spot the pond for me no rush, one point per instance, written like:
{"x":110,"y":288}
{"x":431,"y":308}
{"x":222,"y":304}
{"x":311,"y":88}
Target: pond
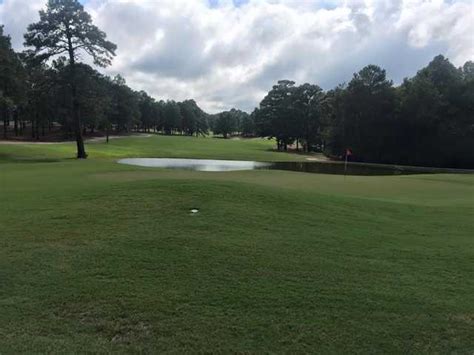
{"x":308,"y":167}
{"x":195,"y":164}
{"x":338,"y":168}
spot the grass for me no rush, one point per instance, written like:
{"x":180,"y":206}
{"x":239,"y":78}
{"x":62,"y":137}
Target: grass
{"x":101,"y":257}
{"x":154,"y":146}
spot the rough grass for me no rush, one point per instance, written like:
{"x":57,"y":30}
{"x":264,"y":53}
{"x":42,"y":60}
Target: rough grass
{"x":101,"y":257}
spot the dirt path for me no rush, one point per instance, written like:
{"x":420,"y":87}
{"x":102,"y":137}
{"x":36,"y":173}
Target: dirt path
{"x":102,"y":139}
{"x":318,"y":158}
{"x":90,"y":140}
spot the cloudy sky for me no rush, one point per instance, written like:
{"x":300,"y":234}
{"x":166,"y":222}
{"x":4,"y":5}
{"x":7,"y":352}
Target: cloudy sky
{"x":229,"y":53}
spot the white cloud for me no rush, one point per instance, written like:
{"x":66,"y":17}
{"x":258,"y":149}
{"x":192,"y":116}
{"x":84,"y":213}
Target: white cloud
{"x":16,"y":15}
{"x":226,"y":55}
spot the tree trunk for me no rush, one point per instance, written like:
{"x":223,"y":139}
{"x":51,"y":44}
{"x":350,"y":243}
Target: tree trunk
{"x":33,"y":126}
{"x":15,"y":122}
{"x":5,"y":122}
{"x":81,"y":151}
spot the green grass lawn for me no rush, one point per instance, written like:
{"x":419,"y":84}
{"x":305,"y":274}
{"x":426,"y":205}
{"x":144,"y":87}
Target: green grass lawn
{"x":155,"y":146}
{"x":101,"y":257}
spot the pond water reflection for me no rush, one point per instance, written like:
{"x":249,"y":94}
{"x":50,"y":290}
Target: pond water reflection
{"x":308,"y":167}
{"x":338,"y":168}
{"x":195,"y":164}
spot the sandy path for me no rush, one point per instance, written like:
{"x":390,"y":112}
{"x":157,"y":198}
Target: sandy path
{"x":90,"y":140}
{"x":318,"y":158}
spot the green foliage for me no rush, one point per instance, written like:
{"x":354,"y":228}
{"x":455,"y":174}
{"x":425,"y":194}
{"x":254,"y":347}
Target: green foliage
{"x":291,"y":113}
{"x":369,"y":107}
{"x":225,"y":123}
{"x":125,"y":110}
{"x":172,"y":117}
{"x":148,"y":111}
{"x":48,"y":100}
{"x":66,"y":28}
{"x":274,"y":118}
{"x":306,"y":106}
{"x":194,"y":120}
{"x":436,"y":116}
{"x":12,"y":80}
{"x":428,"y":120}
{"x":247,"y":124}
{"x":95,"y":101}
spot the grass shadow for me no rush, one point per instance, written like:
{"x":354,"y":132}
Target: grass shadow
{"x":10,"y":158}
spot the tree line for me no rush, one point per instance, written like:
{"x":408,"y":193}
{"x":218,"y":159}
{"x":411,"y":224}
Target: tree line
{"x":232,"y":122}
{"x":427,"y":120}
{"x":41,"y":89}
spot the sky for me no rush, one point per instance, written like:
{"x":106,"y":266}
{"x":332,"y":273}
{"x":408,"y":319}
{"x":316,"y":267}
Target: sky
{"x":229,"y":53}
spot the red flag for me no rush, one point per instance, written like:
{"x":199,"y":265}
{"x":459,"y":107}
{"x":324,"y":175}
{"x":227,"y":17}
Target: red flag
{"x":348,"y":152}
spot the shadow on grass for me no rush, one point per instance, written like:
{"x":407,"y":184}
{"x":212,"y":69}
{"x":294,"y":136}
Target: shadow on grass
{"x":10,"y":158}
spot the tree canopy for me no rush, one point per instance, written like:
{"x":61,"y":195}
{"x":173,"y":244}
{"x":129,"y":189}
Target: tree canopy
{"x":427,"y":120}
{"x":66,"y":28}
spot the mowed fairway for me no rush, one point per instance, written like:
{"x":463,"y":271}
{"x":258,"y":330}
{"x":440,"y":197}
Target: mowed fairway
{"x":97,"y":256}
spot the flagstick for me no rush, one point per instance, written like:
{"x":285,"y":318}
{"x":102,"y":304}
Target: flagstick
{"x":345,"y":168}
